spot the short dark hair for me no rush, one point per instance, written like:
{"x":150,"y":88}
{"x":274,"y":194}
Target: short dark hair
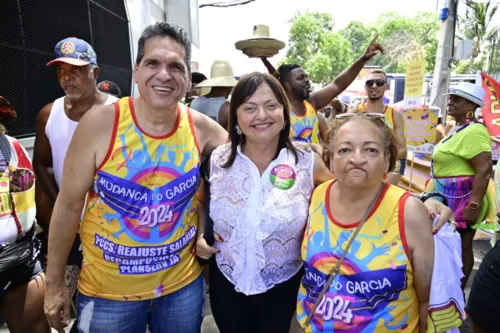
{"x":283,"y":72}
{"x":197,"y":77}
{"x":379,"y":71}
{"x":165,"y":29}
{"x":243,"y":90}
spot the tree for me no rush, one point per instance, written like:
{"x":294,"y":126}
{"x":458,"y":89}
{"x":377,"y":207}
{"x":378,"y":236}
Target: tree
{"x":358,"y":35}
{"x":314,"y":46}
{"x":478,"y":26}
{"x":324,"y":54}
{"x":407,"y":38}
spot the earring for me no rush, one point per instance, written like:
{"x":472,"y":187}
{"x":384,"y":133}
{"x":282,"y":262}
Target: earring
{"x":469,"y":115}
{"x":238,"y":129}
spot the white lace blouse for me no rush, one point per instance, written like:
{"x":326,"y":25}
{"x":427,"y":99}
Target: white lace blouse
{"x":260,"y":218}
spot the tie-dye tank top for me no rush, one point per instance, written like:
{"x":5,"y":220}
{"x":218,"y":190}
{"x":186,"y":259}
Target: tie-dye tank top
{"x":388,"y":113}
{"x":140,"y":221}
{"x":374,"y":291}
{"x":305,"y":128}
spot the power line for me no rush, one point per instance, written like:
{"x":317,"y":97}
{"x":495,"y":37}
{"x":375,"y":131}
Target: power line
{"x":227,"y":4}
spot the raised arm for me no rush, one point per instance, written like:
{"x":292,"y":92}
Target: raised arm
{"x":324,"y":96}
{"x":269,"y":66}
{"x":421,"y":247}
{"x":46,"y":187}
{"x":93,"y":131}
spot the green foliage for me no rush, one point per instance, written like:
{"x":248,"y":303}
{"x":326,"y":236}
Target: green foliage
{"x":324,"y":54}
{"x":478,"y":25}
{"x":314,"y":46}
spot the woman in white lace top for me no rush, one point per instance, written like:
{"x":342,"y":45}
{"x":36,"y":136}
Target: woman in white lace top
{"x":260,"y":186}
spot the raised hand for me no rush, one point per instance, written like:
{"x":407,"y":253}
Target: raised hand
{"x":372,"y":49}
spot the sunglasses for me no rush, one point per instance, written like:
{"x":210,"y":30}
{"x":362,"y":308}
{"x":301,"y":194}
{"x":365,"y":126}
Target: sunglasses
{"x":378,"y":82}
{"x":361,"y":114}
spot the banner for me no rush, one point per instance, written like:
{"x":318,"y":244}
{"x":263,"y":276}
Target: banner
{"x":414,"y":81}
{"x":491,"y":109}
{"x":420,"y":130}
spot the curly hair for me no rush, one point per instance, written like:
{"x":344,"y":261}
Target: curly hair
{"x":389,"y":141}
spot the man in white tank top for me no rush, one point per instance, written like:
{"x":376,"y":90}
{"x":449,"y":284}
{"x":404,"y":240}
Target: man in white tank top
{"x":77,"y":72}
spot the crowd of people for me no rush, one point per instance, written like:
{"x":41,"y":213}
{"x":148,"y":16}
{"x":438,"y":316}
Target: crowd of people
{"x":298,"y":214}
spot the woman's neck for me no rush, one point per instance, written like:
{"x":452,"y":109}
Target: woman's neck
{"x":351,"y":203}
{"x":260,"y":154}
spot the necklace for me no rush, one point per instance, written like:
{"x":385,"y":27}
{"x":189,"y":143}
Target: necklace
{"x":435,"y":179}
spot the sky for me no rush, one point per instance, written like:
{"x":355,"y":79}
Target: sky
{"x":220,"y":28}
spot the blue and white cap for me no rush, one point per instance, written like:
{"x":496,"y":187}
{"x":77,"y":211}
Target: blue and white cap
{"x":74,"y":51}
{"x":469,"y":91}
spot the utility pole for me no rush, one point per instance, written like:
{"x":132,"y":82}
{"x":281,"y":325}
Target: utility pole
{"x":441,"y":78}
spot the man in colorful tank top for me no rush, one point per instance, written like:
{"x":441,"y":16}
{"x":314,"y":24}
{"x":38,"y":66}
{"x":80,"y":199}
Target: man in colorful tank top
{"x":139,"y":162}
{"x":308,"y":125}
{"x":375,"y":86}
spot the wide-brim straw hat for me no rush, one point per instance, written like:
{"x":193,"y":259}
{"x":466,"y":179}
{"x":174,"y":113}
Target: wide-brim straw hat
{"x":260,"y":44}
{"x":221,"y":75}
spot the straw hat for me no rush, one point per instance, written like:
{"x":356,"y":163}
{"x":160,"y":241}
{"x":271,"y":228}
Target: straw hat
{"x":221,"y":75}
{"x":261,"y":44}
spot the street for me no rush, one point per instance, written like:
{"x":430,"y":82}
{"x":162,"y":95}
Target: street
{"x":480,"y":249}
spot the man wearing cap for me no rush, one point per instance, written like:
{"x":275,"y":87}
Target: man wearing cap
{"x":307,"y":124}
{"x":139,"y":162}
{"x":110,"y":88}
{"x":215,"y":104}
{"x":375,"y":87}
{"x":77,"y":72}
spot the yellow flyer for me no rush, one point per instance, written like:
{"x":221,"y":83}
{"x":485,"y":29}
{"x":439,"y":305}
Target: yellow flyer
{"x":420,"y":130}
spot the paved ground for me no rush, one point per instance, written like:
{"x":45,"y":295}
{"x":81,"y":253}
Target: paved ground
{"x":480,"y":249}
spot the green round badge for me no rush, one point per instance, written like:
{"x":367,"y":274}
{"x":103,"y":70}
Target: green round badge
{"x":282,"y":176}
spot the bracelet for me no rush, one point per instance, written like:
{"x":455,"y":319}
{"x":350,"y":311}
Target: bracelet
{"x":424,"y":196}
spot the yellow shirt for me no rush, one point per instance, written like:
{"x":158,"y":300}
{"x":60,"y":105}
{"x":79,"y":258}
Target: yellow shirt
{"x":140,"y":222}
{"x":388,"y":113}
{"x":374,"y":291}
{"x":305,"y":128}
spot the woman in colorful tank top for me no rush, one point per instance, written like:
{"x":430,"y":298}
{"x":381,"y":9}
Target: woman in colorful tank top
{"x":383,"y":283}
{"x":260,"y":186}
{"x":461,"y":168}
{"x":22,"y":281}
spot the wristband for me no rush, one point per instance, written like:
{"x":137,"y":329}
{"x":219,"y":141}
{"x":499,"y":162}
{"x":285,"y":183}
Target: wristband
{"x":424,"y":196}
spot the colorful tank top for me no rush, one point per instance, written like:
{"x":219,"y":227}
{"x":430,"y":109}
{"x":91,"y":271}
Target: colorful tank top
{"x":388,"y":112}
{"x":140,"y":221}
{"x":374,"y":291}
{"x":305,"y":128}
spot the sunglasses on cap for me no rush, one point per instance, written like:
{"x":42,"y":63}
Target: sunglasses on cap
{"x":378,"y":82}
{"x":361,"y":114}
